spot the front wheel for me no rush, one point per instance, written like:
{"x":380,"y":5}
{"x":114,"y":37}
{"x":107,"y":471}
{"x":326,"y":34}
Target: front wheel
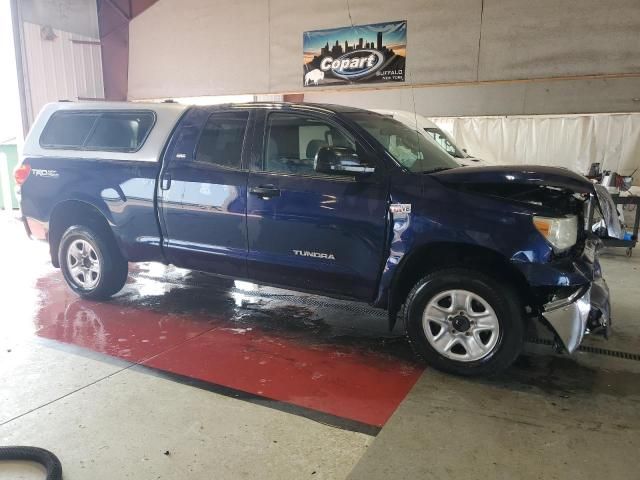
{"x":91,"y":263}
{"x":464,"y":322}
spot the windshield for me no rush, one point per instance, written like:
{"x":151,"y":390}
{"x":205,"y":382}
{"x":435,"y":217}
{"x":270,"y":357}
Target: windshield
{"x":445,"y":142}
{"x":411,"y":149}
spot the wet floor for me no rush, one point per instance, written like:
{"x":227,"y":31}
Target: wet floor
{"x":324,"y":355}
{"x":321,"y":354}
{"x":89,"y":372}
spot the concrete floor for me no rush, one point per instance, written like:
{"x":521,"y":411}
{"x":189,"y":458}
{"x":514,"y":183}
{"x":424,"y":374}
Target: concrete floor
{"x":553,"y":419}
{"x":154,"y":385}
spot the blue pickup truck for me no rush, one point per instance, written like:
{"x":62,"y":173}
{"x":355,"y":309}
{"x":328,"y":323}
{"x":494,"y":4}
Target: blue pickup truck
{"x":325,"y":199}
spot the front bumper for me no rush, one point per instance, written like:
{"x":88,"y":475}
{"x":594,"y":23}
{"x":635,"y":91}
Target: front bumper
{"x":585,"y":311}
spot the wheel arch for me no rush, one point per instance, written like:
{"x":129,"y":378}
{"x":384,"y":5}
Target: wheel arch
{"x":75,"y":212}
{"x":431,"y":257}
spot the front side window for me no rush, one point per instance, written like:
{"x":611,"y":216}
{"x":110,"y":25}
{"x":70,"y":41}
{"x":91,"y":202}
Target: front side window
{"x":293,"y":141}
{"x":108,"y":131}
{"x":222,"y":139}
{"x":409,"y":147}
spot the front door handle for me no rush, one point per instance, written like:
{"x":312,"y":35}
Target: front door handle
{"x":265,"y":191}
{"x":165,"y":184}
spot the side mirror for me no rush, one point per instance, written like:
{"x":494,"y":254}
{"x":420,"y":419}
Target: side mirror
{"x":465,"y":150}
{"x":340,"y":161}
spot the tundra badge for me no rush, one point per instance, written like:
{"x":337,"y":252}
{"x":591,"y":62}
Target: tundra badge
{"x":305,"y":253}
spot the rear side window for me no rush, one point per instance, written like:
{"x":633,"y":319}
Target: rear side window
{"x":108,"y":131}
{"x":67,"y":130}
{"x":222,"y":138}
{"x":124,"y":132}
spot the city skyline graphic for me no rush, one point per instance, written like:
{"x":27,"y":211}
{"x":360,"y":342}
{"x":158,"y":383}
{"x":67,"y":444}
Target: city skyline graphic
{"x":393,"y":32}
{"x":387,"y":38}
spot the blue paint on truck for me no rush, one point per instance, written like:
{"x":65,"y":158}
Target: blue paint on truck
{"x":324,"y":199}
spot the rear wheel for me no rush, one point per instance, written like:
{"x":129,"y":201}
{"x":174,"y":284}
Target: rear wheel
{"x":91,"y":263}
{"x":464,"y":322}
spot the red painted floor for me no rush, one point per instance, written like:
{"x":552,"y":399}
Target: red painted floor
{"x":342,"y":382}
{"x":196,"y":333}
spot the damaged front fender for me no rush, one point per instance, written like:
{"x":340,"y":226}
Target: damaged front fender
{"x":609,"y":212}
{"x":508,"y":181}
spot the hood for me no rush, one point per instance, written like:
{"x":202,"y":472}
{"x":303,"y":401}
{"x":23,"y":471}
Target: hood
{"x":472,"y":162}
{"x":507,"y":181}
{"x":517,"y":175}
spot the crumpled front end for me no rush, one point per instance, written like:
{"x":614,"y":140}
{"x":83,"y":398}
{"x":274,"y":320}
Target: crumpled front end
{"x":565,"y":281}
{"x":608,"y":210}
{"x":587,"y":310}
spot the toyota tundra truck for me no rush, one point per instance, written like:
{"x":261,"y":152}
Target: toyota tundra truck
{"x":326,"y":199}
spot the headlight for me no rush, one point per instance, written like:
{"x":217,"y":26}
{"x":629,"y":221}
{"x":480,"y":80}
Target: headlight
{"x":561,"y":233}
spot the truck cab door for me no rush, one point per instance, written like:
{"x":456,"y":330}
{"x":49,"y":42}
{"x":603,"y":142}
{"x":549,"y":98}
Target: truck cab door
{"x":202,"y":193}
{"x":311,"y":231}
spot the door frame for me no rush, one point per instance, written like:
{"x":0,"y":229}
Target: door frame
{"x":381,"y":176}
{"x":168,"y":156}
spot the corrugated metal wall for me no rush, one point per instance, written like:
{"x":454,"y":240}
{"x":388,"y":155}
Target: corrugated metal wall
{"x":61,"y":66}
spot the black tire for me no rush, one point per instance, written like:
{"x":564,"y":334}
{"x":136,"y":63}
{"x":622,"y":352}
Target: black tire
{"x":502,"y":298}
{"x":113,"y":266}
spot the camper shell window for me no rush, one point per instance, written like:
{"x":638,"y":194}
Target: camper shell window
{"x":114,"y":131}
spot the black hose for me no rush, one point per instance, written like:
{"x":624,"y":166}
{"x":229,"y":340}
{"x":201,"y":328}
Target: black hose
{"x":34,"y":454}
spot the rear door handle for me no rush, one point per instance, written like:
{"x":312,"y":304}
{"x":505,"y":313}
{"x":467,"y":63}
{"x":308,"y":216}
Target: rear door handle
{"x":265,"y":191}
{"x":165,"y":184}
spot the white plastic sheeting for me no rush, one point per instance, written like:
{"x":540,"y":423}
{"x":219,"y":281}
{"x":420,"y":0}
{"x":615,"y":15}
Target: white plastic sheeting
{"x":571,"y":141}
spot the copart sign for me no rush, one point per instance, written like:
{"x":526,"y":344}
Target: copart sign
{"x":357,"y":54}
